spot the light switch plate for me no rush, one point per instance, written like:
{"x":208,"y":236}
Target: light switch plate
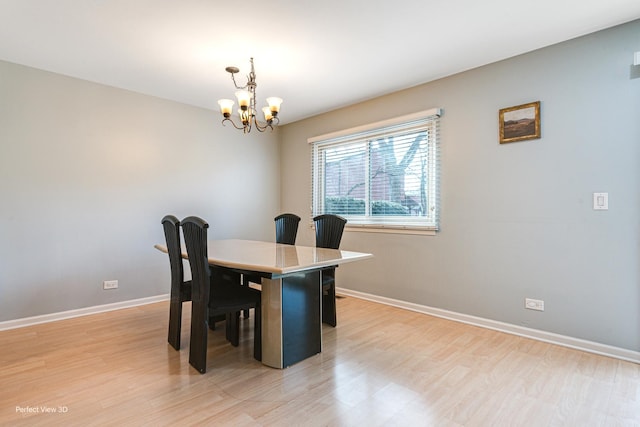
{"x":601,"y":201}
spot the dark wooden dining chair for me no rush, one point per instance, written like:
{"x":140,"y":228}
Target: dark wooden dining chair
{"x":212,"y":294}
{"x":286,"y":228}
{"x":180,"y":289}
{"x":329,"y":230}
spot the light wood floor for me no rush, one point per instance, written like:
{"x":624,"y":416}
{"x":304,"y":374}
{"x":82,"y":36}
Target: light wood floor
{"x":381,"y":366}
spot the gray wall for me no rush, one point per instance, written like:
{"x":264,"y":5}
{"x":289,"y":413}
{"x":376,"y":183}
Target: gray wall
{"x":516,"y":219}
{"x":88,"y":171}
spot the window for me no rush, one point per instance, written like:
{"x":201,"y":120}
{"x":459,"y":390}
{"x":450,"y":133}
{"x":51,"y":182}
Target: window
{"x":380,"y":176}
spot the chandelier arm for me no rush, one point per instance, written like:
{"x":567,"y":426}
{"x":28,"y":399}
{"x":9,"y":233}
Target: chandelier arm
{"x":232,"y":122}
{"x":264,"y":127}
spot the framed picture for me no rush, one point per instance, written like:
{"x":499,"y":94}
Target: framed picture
{"x":520,"y":123}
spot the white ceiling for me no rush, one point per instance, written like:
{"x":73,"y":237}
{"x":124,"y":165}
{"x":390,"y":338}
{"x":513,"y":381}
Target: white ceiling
{"x":318,"y":55}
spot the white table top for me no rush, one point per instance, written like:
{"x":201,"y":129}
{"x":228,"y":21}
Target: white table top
{"x":271,"y":257}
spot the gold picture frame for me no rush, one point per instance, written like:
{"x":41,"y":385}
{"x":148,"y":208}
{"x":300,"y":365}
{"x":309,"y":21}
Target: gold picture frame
{"x":520,"y":123}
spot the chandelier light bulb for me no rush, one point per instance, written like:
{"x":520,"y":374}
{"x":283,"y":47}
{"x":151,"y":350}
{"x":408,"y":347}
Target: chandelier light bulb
{"x":244,"y":116}
{"x":243,"y":98}
{"x":267,"y":113}
{"x":274,"y":104}
{"x":226,"y":107}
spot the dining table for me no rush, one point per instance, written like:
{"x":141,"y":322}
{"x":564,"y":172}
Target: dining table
{"x":291,"y":284}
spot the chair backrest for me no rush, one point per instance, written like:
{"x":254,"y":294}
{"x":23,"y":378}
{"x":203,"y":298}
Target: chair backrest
{"x":329,"y":230}
{"x":195,"y":239}
{"x":286,"y":228}
{"x":171,"y":227}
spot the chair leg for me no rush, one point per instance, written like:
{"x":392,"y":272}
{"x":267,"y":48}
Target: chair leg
{"x":214,"y":319}
{"x":329,"y":306}
{"x":233,"y":328}
{"x":245,"y":282}
{"x":198,"y":341}
{"x":175,"y":322}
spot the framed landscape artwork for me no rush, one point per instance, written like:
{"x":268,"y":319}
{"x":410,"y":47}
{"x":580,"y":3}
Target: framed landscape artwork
{"x":520,"y":123}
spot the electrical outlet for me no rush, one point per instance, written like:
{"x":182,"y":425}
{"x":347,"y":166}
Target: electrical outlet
{"x":534,"y":304}
{"x":110,"y":284}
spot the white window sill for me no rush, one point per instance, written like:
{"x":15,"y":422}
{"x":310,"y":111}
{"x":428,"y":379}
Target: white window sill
{"x":390,"y":229}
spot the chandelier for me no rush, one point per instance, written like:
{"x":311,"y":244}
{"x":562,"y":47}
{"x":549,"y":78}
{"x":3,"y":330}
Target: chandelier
{"x":247,"y":101}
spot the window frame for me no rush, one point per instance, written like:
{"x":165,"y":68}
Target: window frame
{"x":428,"y":119}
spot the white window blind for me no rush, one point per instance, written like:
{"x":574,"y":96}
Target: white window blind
{"x":382,"y":175}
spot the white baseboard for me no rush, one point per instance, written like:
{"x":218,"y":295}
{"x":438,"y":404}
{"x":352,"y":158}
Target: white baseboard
{"x":549,"y":337}
{"x":28,"y":321}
